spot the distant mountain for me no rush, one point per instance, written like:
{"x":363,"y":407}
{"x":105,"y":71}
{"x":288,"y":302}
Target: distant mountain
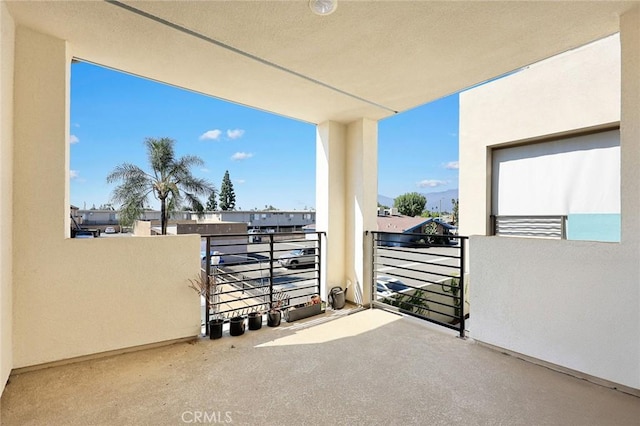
{"x":385,"y":201}
{"x":433,"y":200}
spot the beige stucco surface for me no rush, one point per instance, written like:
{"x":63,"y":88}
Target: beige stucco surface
{"x":369,"y":59}
{"x":362,"y":202}
{"x":6,"y":191}
{"x":576,"y":90}
{"x":630,"y":132}
{"x":73,"y":297}
{"x":331,"y":140}
{"x":346,"y":180}
{"x":571,"y":303}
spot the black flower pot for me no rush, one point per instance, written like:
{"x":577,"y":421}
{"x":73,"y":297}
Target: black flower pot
{"x":255,"y":321}
{"x":274,"y":318}
{"x":215,"y":328}
{"x":236,"y":328}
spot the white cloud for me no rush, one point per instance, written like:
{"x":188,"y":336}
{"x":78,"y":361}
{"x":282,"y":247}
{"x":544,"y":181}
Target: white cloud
{"x":204,"y":170}
{"x":239,"y":181}
{"x":73,"y":174}
{"x":453,"y":165}
{"x":241,"y":156}
{"x":213,"y":135}
{"x":235,"y":133}
{"x":431,"y":183}
{"x":73,"y":139}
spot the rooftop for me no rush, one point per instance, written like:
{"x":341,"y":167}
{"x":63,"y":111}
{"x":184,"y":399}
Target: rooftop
{"x":371,"y":367}
{"x":399,"y":223}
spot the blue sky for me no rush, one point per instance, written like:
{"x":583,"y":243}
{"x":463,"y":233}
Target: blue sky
{"x":271,"y":159}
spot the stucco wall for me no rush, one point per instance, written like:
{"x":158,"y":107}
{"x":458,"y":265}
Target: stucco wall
{"x":6,"y":191}
{"x":542,"y":299}
{"x":75,"y":297}
{"x":576,"y":90}
{"x":571,"y":303}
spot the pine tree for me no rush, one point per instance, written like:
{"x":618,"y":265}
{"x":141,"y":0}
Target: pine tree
{"x":454,"y":214}
{"x":212,"y":202}
{"x":227,"y":196}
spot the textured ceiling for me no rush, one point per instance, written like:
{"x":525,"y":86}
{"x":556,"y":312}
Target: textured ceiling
{"x":368,"y":59}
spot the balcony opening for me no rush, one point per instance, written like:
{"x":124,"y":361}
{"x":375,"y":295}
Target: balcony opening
{"x":112,"y":113}
{"x":418,"y":153}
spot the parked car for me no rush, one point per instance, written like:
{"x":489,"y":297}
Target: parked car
{"x":298,"y":257}
{"x":396,"y":293}
{"x":388,"y":286}
{"x":216,"y":258}
{"x":109,"y":230}
{"x":84,"y":234}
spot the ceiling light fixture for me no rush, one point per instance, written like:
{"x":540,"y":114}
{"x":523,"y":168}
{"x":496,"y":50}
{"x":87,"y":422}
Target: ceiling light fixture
{"x":323,"y":7}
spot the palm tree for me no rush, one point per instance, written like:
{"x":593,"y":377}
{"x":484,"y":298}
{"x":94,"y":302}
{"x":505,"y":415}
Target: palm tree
{"x":171,"y":182}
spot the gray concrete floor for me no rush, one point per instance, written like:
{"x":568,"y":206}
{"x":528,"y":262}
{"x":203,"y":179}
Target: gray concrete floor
{"x":372,"y":367}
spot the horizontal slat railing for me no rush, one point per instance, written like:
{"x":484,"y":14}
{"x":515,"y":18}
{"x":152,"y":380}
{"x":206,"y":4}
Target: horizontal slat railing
{"x":421,"y":275}
{"x":245,"y":276}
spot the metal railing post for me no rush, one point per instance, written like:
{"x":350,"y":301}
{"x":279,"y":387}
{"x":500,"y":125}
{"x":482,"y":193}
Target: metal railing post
{"x":270,"y":271}
{"x":207,"y":269}
{"x":319,"y":280}
{"x":463,"y":247}
{"x":372,"y":286}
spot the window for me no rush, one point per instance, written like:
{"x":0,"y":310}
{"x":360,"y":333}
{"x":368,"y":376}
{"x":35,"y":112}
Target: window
{"x":576,"y":179}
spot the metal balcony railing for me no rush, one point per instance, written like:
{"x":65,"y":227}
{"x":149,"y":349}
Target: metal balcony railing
{"x":422,"y":275}
{"x":259,"y":271}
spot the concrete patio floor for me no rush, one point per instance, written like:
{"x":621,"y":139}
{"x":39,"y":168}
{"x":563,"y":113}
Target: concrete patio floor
{"x":372,"y":367}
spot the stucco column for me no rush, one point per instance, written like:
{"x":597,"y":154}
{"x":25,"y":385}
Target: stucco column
{"x":7,"y":31}
{"x":629,"y":160}
{"x":41,"y":179}
{"x":42,"y":150}
{"x":630,"y":126}
{"x":346,"y":203}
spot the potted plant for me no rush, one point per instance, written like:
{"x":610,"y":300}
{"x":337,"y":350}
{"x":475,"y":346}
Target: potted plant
{"x":215,"y":328}
{"x":237,"y":325}
{"x":208,"y":290}
{"x":274,"y":316}
{"x":255,"y":319}
{"x":308,"y":309}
